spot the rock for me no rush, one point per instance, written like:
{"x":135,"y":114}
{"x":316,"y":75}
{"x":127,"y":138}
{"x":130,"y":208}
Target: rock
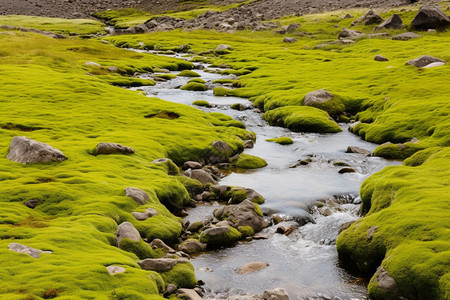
{"x":385,"y":282}
{"x":276,"y":294}
{"x":19,"y":248}
{"x":370,"y":232}
{"x":200,"y":175}
{"x":192,"y":165}
{"x":113,"y":69}
{"x":194,"y":227}
{"x":159,"y":265}
{"x":345,"y":226}
{"x":159,"y":244}
{"x":137,"y":195}
{"x":184,"y":48}
{"x":285,"y":230}
{"x":346,"y":170}
{"x":221,"y":146}
{"x":350,"y":34}
{"x":249,"y":144}
{"x":112,"y":148}
{"x":394,"y":22}
{"x":430,"y":17}
{"x":240,"y":194}
{"x":171,"y":288}
{"x":32,"y":203}
{"x":142,"y":216}
{"x":113,"y":270}
{"x":27,"y":151}
{"x":292,"y":27}
{"x":222,"y":47}
{"x":380,"y":58}
{"x":424,"y":61}
{"x":378,"y":35}
{"x":317,"y":97}
{"x":370,"y":17}
{"x":188,"y":294}
{"x":289,"y":40}
{"x":348,"y":16}
{"x":354,"y":149}
{"x":170,"y":167}
{"x":252,"y":267}
{"x":127,"y":230}
{"x":219,"y":236}
{"x":353,"y":125}
{"x":191,"y":246}
{"x":243,"y":214}
{"x":92,"y":64}
{"x":405,"y":36}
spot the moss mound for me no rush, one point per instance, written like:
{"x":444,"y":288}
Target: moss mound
{"x":188,"y":73}
{"x":203,"y":103}
{"x":302,"y":118}
{"x":408,"y":216}
{"x":194,"y":86}
{"x":168,"y":76}
{"x":226,"y":238}
{"x":246,"y":161}
{"x":282,"y":140}
{"x":198,"y":80}
{"x":220,"y":91}
{"x":181,"y":275}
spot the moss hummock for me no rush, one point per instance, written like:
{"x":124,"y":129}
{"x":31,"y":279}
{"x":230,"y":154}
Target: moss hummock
{"x":194,"y":86}
{"x":188,"y":73}
{"x":198,"y":80}
{"x":203,"y":103}
{"x":246,"y":161}
{"x":281,"y":140}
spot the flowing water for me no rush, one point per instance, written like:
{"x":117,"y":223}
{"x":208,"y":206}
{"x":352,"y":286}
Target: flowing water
{"x":305,"y":262}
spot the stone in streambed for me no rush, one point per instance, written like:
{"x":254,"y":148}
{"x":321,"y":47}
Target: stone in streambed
{"x":27,"y":151}
{"x":200,"y":175}
{"x":346,"y":170}
{"x":192,"y":165}
{"x":354,"y":149}
{"x":219,"y":236}
{"x":188,"y":294}
{"x":246,"y":213}
{"x":252,"y":267}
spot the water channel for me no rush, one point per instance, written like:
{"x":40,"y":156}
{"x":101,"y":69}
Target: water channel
{"x":305,"y":262}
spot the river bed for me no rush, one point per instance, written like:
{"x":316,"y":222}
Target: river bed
{"x":305,"y":262}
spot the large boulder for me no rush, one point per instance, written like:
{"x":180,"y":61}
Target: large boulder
{"x":159,"y":265}
{"x":191,"y":246}
{"x":112,"y":148}
{"x":370,"y":17}
{"x":127,"y":230}
{"x":200,"y":175}
{"x":317,"y":97}
{"x":137,"y":195}
{"x":350,"y":34}
{"x":19,"y":248}
{"x":424,"y":61}
{"x":430,"y":17}
{"x":27,"y":151}
{"x":219,"y":236}
{"x":243,"y":214}
{"x":405,"y":36}
{"x":394,"y":22}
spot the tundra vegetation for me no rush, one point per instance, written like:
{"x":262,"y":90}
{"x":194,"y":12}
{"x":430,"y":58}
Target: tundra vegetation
{"x":50,"y":94}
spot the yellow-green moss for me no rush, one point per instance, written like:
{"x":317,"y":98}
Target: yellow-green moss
{"x":194,"y":86}
{"x":281,"y":140}
{"x":188,"y":73}
{"x":247,"y":161}
{"x":198,"y":80}
{"x":203,"y":103}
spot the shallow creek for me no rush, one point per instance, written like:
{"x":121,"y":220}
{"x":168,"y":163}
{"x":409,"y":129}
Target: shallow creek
{"x":305,"y":262}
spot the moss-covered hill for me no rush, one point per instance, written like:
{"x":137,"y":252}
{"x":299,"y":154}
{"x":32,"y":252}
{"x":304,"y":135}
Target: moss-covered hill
{"x":50,"y":95}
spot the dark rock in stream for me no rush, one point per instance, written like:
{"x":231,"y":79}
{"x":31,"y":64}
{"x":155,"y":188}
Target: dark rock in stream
{"x":244,"y":214}
{"x":200,"y":175}
{"x":354,"y":149}
{"x":252,"y":267}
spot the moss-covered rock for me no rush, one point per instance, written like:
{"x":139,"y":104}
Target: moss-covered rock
{"x":182,"y":275}
{"x":140,"y":248}
{"x":188,"y":73}
{"x":247,"y":161}
{"x":302,"y":118}
{"x":281,"y":140}
{"x":220,"y":91}
{"x":203,"y":103}
{"x":220,"y":236}
{"x":167,"y":76}
{"x":194,"y":86}
{"x":197,"y":80}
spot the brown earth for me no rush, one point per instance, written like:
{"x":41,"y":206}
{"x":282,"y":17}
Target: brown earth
{"x":268,"y":8}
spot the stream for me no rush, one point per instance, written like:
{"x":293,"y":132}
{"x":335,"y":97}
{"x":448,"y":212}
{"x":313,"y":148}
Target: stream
{"x":305,"y":262}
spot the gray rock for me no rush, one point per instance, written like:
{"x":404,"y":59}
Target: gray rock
{"x":27,"y":151}
{"x":317,"y":97}
{"x":249,"y":144}
{"x":350,"y":34}
{"x":252,"y":267}
{"x":184,"y":48}
{"x":430,"y":17}
{"x":127,"y":230}
{"x":370,"y":17}
{"x":92,"y":64}
{"x":142,"y":216}
{"x":171,"y":288}
{"x":380,"y":58}
{"x":159,"y":244}
{"x":113,"y":69}
{"x":222,"y":47}
{"x":289,"y":40}
{"x":192,"y":246}
{"x":346,"y":170}
{"x":354,"y":149}
{"x":276,"y":294}
{"x":424,"y":61}
{"x":242,"y":214}
{"x":113,"y":270}
{"x":345,"y":226}
{"x":112,"y":148}
{"x":292,"y":27}
{"x":19,"y":248}
{"x":194,"y":227}
{"x":200,"y":175}
{"x":192,"y":165}
{"x":370,"y":232}
{"x":385,"y":282}
{"x":189,"y":294}
{"x":137,"y":195}
{"x":32,"y":203}
{"x":405,"y":36}
{"x":159,"y":265}
{"x":221,"y":146}
{"x":394,"y":22}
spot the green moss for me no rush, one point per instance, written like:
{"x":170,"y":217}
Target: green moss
{"x":141,"y":249}
{"x":236,"y":195}
{"x":246,"y":161}
{"x":203,"y":103}
{"x":225,"y":239}
{"x":198,"y":80}
{"x":193,"y":186}
{"x":400,"y":151}
{"x":411,"y":241}
{"x":246,"y":231}
{"x":302,"y":118}
{"x":188,"y":73}
{"x":281,"y":140}
{"x":220,"y":91}
{"x":118,"y":80}
{"x":168,"y":76}
{"x":420,"y":157}
{"x":182,"y":275}
{"x":194,"y":86}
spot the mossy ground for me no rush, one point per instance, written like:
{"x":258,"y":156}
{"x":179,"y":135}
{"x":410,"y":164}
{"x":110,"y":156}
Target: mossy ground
{"x":82,"y":200}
